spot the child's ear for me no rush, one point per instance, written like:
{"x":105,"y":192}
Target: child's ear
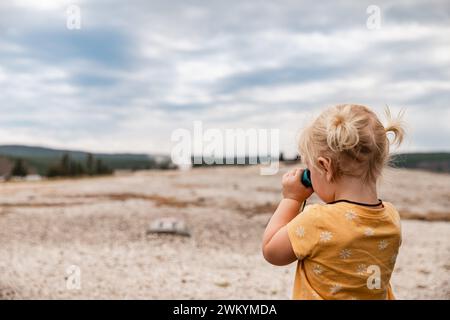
{"x":325,"y":165}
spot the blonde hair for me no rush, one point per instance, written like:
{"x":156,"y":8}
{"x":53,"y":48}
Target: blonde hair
{"x":354,"y":139}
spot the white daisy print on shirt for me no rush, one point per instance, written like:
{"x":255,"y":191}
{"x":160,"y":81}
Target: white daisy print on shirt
{"x":317,"y":269}
{"x":369,"y":232}
{"x":361,"y":269}
{"x":350,"y":215}
{"x":335,"y":288}
{"x":345,"y":254}
{"x":383,"y":244}
{"x":325,"y":236}
{"x":300,"y":232}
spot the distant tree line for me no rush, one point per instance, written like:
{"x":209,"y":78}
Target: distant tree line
{"x":436,"y":162}
{"x":67,"y":167}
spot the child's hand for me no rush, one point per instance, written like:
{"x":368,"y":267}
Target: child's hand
{"x":293,"y":188}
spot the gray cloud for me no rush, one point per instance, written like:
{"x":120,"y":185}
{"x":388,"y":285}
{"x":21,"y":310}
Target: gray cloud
{"x":138,"y":70}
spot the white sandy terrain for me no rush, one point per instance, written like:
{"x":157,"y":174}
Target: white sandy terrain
{"x":99,"y":225}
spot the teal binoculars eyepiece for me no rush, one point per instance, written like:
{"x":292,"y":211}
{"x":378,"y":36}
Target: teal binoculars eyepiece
{"x":306,"y":178}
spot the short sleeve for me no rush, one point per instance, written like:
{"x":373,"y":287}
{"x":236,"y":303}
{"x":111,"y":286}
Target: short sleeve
{"x":303,"y":232}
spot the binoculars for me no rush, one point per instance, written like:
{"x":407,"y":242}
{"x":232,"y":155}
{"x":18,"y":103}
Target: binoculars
{"x":306,"y":178}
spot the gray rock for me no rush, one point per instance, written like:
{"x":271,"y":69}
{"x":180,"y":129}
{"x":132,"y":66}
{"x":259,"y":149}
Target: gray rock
{"x":169,"y":225}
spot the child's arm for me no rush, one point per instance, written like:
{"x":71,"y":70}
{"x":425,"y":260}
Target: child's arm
{"x":277,"y":248}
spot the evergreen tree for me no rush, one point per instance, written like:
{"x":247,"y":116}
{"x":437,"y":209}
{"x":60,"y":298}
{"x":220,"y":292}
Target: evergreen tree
{"x":19,"y":169}
{"x":101,"y":168}
{"x":65,"y":165}
{"x":90,"y":170}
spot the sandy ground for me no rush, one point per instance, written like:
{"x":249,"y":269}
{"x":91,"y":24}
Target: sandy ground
{"x":99,"y":225}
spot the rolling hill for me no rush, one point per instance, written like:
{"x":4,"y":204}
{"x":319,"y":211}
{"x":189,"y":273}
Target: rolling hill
{"x":40,"y":159}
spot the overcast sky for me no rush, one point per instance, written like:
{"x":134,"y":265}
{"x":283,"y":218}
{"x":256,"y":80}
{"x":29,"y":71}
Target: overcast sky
{"x":138,"y":69}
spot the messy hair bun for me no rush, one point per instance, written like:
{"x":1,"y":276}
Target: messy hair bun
{"x":342,"y":131}
{"x":354,"y":139}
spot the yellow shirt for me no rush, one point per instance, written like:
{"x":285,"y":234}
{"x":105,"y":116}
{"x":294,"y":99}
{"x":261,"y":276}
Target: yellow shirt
{"x":345,"y":251}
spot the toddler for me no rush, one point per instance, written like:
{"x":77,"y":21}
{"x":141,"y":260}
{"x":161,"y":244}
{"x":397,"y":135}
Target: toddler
{"x":347,"y":247}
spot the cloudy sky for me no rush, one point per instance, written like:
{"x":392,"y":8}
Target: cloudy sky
{"x":138,"y":69}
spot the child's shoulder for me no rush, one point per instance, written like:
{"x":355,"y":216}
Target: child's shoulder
{"x":392,"y":212}
{"x":320,"y":212}
{"x":322,"y":208}
{"x":338,"y":206}
{"x":345,"y":210}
